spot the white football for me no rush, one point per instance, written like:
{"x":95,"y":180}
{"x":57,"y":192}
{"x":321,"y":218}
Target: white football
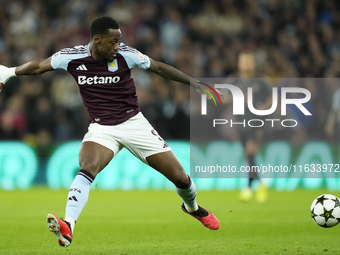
{"x":325,"y":210}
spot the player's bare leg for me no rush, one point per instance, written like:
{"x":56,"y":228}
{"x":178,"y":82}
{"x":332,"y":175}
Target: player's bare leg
{"x":168,"y":164}
{"x":93,"y":158}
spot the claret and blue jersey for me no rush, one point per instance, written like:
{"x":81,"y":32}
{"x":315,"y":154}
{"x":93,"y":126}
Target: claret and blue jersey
{"x":107,"y":89}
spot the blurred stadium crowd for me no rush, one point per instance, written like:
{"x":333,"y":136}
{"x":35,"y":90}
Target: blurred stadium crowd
{"x":289,"y":38}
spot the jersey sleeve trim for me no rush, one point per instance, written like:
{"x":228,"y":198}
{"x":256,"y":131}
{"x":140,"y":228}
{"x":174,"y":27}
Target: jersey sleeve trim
{"x":61,"y":58}
{"x":133,"y":57}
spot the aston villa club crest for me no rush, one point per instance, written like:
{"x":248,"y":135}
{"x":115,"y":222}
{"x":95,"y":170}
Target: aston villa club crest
{"x":113,"y":66}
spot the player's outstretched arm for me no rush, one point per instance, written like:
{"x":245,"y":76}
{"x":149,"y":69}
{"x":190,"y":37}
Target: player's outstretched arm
{"x":172,"y":73}
{"x":37,"y":66}
{"x":168,"y":72}
{"x":34,"y":67}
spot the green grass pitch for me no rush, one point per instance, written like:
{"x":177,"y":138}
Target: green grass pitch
{"x":151,"y":222}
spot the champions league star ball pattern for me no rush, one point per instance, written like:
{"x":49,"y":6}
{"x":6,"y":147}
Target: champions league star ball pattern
{"x":325,"y":210}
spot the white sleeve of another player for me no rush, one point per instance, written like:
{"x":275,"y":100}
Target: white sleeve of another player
{"x":134,"y":58}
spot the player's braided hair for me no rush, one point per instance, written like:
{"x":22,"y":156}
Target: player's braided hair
{"x":100,"y":25}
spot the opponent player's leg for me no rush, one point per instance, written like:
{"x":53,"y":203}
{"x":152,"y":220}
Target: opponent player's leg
{"x":251,"y":149}
{"x":93,"y":157}
{"x":168,"y":164}
{"x":247,"y":193}
{"x":261,"y":190}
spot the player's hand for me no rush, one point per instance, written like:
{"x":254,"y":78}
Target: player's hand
{"x":5,"y":74}
{"x":203,"y":88}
